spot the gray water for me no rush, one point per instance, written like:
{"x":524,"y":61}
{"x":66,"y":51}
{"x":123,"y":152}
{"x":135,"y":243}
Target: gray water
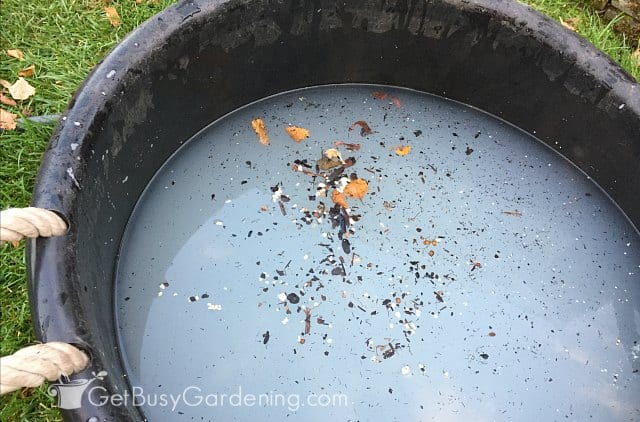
{"x":527,"y":308}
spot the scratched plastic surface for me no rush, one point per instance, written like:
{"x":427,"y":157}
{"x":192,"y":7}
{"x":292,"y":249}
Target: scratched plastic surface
{"x":526,"y":306}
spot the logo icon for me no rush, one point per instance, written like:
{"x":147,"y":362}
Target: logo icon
{"x":70,"y":392}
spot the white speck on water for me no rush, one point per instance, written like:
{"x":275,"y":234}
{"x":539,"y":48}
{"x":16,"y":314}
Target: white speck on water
{"x":282,"y":297}
{"x":111,"y":74}
{"x":159,"y":294}
{"x":74,"y":145}
{"x":329,"y":340}
{"x":64,"y":118}
{"x":305,"y":257}
{"x":405,"y":370}
{"x":375,"y":359}
{"x":163,"y":285}
{"x":214,"y":307}
{"x":227,"y":201}
{"x":125,"y":179}
{"x":219,"y":223}
{"x":621,"y":106}
{"x":285,"y":321}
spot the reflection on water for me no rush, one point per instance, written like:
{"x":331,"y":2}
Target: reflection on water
{"x":483,"y":277}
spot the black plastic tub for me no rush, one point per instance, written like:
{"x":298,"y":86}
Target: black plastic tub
{"x":199,"y":61}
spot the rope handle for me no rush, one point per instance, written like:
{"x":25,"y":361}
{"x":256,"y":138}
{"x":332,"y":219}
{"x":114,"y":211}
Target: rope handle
{"x":33,"y":365}
{"x":18,"y":223}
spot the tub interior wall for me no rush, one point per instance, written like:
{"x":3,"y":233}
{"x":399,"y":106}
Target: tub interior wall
{"x":220,"y":57}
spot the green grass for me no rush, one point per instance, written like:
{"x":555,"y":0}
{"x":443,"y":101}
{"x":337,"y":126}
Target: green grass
{"x":64,"y":39}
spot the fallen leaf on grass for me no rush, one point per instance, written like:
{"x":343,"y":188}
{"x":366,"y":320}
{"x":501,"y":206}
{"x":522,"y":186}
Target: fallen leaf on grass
{"x":403,"y":150}
{"x":112,"y":15}
{"x":7,"y":120}
{"x":27,"y":71}
{"x":5,"y":83}
{"x":260,"y":130}
{"x":16,"y":54}
{"x":357,"y":188}
{"x":297,"y":133}
{"x":21,"y":90}
{"x":338,"y":198}
{"x":570,"y":23}
{"x":7,"y":101}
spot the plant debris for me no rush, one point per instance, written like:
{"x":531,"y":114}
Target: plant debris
{"x":403,"y":150}
{"x":297,"y":133}
{"x":7,"y":101}
{"x":21,"y":90}
{"x":365,"y":130}
{"x":16,"y":54}
{"x":512,"y":213}
{"x":112,"y":15}
{"x":260,"y":130}
{"x":570,"y":23}
{"x":7,"y":120}
{"x":338,"y":198}
{"x":27,"y":71}
{"x":383,"y":95}
{"x":356,"y":188}
{"x":348,"y":147}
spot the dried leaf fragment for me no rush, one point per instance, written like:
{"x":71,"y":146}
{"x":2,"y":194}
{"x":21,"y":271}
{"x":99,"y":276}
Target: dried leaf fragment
{"x":357,"y":188}
{"x":5,"y":84}
{"x":27,"y":71}
{"x":383,"y":95}
{"x":7,"y":120}
{"x":349,"y":147}
{"x":515,"y":213}
{"x":403,"y":150}
{"x":7,"y":101}
{"x":297,"y":133}
{"x":21,"y":89}
{"x":570,"y":23}
{"x":364,"y":128}
{"x":379,"y":95}
{"x":112,"y":15}
{"x":338,"y":198}
{"x":260,"y":130}
{"x":16,"y":54}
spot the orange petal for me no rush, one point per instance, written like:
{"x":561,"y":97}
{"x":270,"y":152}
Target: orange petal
{"x":339,"y":199}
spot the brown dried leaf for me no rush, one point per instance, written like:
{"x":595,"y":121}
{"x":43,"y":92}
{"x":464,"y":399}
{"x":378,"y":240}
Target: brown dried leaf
{"x":21,"y":90}
{"x":16,"y":54}
{"x":403,"y":150}
{"x":7,"y":120}
{"x":297,"y":133}
{"x":379,"y":95}
{"x":112,"y":15}
{"x":570,"y":23}
{"x":7,"y":101}
{"x":260,"y":130}
{"x":357,"y":188}
{"x":5,"y":84}
{"x":27,"y":71}
{"x":364,"y":128}
{"x":339,"y":199}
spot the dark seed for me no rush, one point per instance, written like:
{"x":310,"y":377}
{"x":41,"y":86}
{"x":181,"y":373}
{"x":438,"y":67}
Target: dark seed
{"x":293,"y":298}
